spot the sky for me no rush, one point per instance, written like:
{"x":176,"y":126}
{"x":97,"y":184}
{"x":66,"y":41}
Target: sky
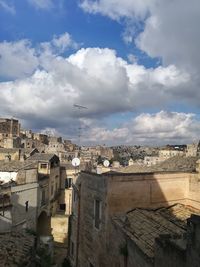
{"x":133,"y":63}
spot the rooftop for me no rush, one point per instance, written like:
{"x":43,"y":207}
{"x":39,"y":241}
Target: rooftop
{"x":42,"y":157}
{"x":14,"y":166}
{"x":15,"y":249}
{"x":174,"y":164}
{"x":144,"y":225}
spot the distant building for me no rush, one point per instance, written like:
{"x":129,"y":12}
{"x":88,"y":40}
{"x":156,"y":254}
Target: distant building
{"x":153,"y":160}
{"x":193,"y":150}
{"x":167,"y":153}
{"x":9,"y":128}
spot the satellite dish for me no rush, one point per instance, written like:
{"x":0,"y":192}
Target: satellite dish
{"x":76,"y":162}
{"x":106,"y":163}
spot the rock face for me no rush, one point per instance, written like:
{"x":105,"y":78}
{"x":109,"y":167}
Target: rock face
{"x":16,"y":249}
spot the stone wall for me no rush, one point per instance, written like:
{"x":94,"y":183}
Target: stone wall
{"x":59,"y":225}
{"x":193,"y":192}
{"x":23,"y":212}
{"x":121,"y":251}
{"x":168,"y":254}
{"x":118,"y":194}
{"x":126,"y":192}
{"x":92,"y":243}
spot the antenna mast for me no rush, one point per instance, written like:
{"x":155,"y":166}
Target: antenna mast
{"x":79,"y":108}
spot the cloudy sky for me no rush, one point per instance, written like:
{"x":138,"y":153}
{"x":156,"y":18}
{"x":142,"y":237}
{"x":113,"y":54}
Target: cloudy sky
{"x":133,"y":63}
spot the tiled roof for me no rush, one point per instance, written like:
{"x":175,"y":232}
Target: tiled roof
{"x":42,"y":157}
{"x":14,"y":166}
{"x":9,"y":150}
{"x":175,"y":164}
{"x":144,"y":225}
{"x":15,"y":249}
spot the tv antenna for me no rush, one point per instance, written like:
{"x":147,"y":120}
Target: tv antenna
{"x":79,"y":108}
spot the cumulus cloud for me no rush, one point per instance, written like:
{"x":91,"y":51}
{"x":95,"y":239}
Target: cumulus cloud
{"x":117,"y":9}
{"x":93,"y":77}
{"x":20,"y":59}
{"x":151,"y":129}
{"x":46,"y":85}
{"x":170,"y":31}
{"x":17,"y":59}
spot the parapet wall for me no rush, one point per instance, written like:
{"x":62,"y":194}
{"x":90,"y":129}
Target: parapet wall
{"x":147,"y":190}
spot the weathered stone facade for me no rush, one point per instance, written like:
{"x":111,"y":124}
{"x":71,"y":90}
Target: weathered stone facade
{"x":117,"y":194}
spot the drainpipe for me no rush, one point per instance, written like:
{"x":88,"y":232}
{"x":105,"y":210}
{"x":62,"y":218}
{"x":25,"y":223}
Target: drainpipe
{"x":78,"y":225}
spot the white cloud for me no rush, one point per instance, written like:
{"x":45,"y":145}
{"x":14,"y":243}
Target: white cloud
{"x":172,"y":32}
{"x":151,"y":129}
{"x":64,"y":41}
{"x":171,"y":28}
{"x":117,"y":9}
{"x":49,"y":84}
{"x":92,"y":77}
{"x":42,"y":4}
{"x":8,"y":7}
{"x":20,"y":59}
{"x":17,"y":59}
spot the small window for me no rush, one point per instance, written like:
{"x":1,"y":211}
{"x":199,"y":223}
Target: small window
{"x":43,"y":198}
{"x":63,"y":207}
{"x":74,"y":195}
{"x":72,"y":249}
{"x":43,"y":165}
{"x":68,"y":182}
{"x":97,"y":213}
{"x":52,"y":187}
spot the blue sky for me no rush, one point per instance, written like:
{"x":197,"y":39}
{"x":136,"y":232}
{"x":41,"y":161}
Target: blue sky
{"x":129,"y":62}
{"x":39,"y":25}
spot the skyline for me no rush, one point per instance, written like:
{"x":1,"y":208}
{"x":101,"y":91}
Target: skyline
{"x":134,"y":65}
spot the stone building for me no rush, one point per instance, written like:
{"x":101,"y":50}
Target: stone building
{"x":16,"y":154}
{"x":106,"y":205}
{"x":32,"y":189}
{"x":16,"y":249}
{"x":11,"y":142}
{"x":42,"y":138}
{"x":167,"y":153}
{"x":9,"y":128}
{"x":152,"y":160}
{"x":193,"y":150}
{"x":148,"y":237}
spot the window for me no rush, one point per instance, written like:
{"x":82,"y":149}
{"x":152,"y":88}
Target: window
{"x":68,"y":182}
{"x":62,"y":206}
{"x":72,"y":249}
{"x":43,"y":197}
{"x":74,"y":195}
{"x":52,"y":187}
{"x":43,"y":165}
{"x":97,"y":213}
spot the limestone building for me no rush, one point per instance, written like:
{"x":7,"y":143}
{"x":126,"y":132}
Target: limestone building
{"x":9,"y":128}
{"x":29,"y":193}
{"x":193,"y":150}
{"x":119,"y":217}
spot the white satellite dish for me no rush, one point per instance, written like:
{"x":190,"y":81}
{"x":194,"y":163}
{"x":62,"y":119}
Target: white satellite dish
{"x":76,"y":162}
{"x":106,"y":163}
